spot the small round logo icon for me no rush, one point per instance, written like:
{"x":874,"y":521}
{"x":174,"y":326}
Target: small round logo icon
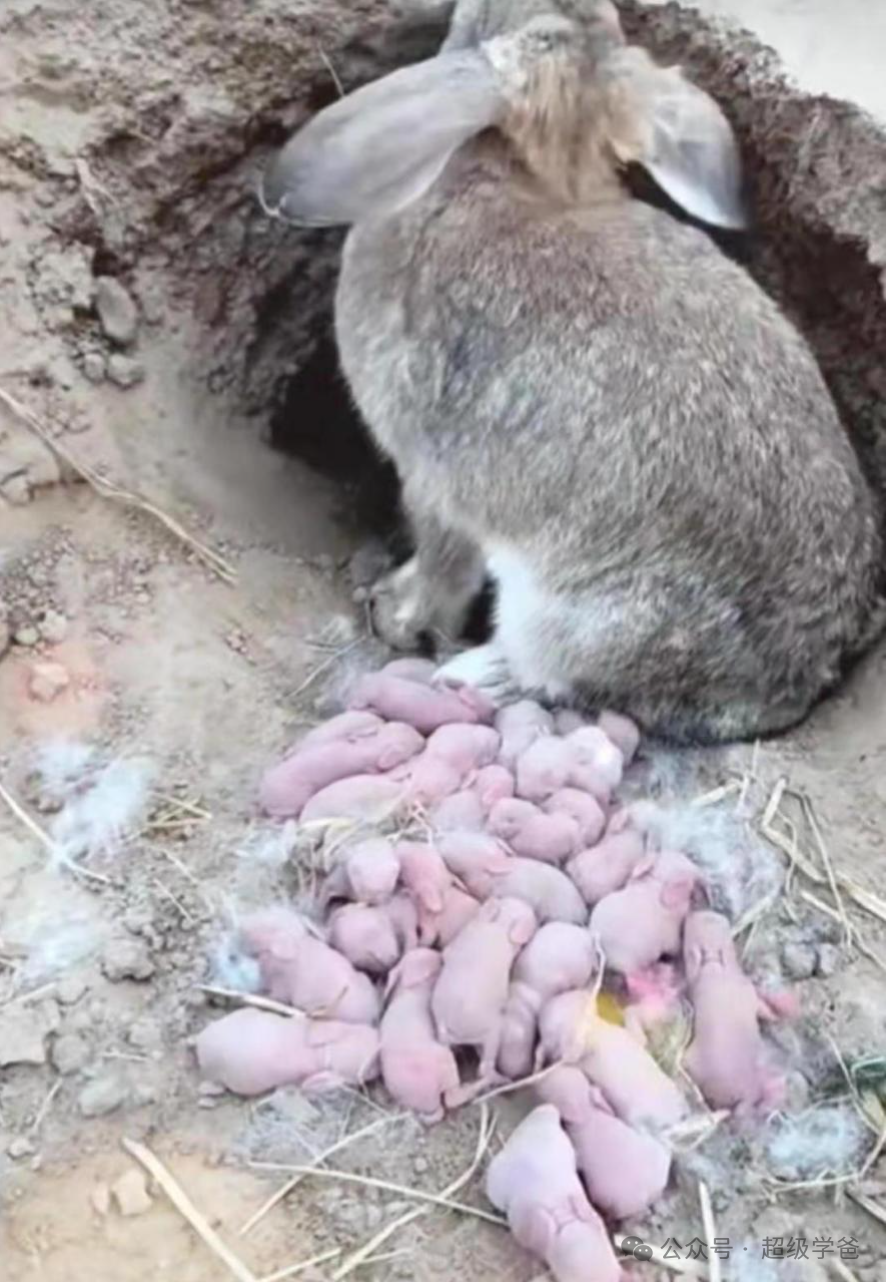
{"x":636,"y":1247}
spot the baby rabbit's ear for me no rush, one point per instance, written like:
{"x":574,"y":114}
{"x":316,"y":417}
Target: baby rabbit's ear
{"x":382,"y":146}
{"x":692,"y":153}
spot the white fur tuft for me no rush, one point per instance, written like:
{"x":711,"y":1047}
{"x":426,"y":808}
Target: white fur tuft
{"x":101,"y":803}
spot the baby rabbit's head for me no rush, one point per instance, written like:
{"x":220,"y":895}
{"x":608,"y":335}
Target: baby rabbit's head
{"x":555,"y":79}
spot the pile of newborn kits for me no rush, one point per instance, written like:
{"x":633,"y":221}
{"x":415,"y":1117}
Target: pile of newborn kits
{"x":484,"y":879}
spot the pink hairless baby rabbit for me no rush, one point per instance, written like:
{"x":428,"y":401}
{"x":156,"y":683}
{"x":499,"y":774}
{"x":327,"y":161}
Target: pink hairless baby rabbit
{"x":726,"y":1058}
{"x":424,"y":707}
{"x":533,"y":1180}
{"x":520,"y":725}
{"x":367,"y":871}
{"x":624,"y":1170}
{"x":571,"y":1029}
{"x":470,"y":995}
{"x":418,"y":1070}
{"x":560,"y":956}
{"x":299,"y":969}
{"x":373,"y":749}
{"x":639,"y":924}
{"x":606,"y":867}
{"x":483,"y":865}
{"x":529,"y":831}
{"x":452,"y":757}
{"x":373,"y":937}
{"x":251,"y":1052}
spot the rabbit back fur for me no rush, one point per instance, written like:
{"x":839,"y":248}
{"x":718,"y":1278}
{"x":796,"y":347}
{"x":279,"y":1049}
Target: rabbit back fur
{"x":636,"y":438}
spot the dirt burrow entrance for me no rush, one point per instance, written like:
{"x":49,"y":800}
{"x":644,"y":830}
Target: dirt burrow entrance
{"x":165,"y":332}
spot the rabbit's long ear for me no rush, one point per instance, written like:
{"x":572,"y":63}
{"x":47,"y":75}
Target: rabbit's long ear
{"x":382,"y":146}
{"x":693,"y":155}
{"x":687,"y":146}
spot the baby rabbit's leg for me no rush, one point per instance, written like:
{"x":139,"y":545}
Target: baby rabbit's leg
{"x":431,"y":592}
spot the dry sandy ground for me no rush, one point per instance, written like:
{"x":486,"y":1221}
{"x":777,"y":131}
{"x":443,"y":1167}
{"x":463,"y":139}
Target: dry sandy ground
{"x":124,"y":639}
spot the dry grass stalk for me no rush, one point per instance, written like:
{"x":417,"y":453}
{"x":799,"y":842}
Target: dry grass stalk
{"x":691,"y":1269}
{"x":299,"y":1266}
{"x":356,"y":1258}
{"x":46,"y":841}
{"x":868,"y":1205}
{"x":290,"y":1185}
{"x":183,"y":1204}
{"x":322,"y":668}
{"x":251,"y":1000}
{"x":375,"y":1182}
{"x":866,"y":900}
{"x":120,"y":494}
{"x":708,"y":1225}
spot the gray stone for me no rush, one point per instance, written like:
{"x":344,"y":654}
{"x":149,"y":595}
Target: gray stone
{"x":828,"y":959}
{"x":70,"y":1053}
{"x":145,"y":1035}
{"x":70,"y":990}
{"x":53,"y":627}
{"x":22,"y":1037}
{"x":118,"y":314}
{"x":103,"y":1095}
{"x":20,"y":1147}
{"x":127,"y":960}
{"x":95,"y":367}
{"x":124,"y":371}
{"x":798,"y":960}
{"x":27,"y":635}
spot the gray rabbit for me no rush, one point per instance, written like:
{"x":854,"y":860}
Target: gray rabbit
{"x":583,"y":395}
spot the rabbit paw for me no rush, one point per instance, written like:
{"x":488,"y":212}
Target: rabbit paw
{"x":483,"y":667}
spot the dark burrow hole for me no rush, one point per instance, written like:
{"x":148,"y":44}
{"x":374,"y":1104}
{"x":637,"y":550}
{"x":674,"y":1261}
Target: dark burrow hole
{"x":815,"y":180}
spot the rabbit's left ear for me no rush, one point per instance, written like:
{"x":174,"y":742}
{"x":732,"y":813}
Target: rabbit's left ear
{"x":688,"y":145}
{"x":382,"y":146}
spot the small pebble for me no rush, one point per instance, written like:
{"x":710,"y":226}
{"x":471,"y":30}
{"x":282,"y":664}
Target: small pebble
{"x":26,"y":635}
{"x":95,"y":367}
{"x":127,"y":960}
{"x":798,"y":960}
{"x":53,"y":627}
{"x":20,"y":1147}
{"x":102,"y":1096}
{"x":118,"y":314}
{"x":70,"y":990}
{"x":48,"y":680}
{"x":130,"y":1193}
{"x":22,"y":1037}
{"x":124,"y":371}
{"x":145,"y":1035}
{"x":828,"y":959}
{"x":70,"y":1053}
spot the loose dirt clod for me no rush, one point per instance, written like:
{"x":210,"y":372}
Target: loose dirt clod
{"x":118,"y":313}
{"x":127,"y":960}
{"x":23,"y":1034}
{"x":130,"y":1193}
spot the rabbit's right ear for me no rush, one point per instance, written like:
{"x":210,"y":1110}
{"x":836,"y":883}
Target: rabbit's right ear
{"x":688,"y":145}
{"x":382,"y":146}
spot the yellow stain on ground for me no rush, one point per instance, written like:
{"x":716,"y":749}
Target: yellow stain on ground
{"x":609,"y":1009}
